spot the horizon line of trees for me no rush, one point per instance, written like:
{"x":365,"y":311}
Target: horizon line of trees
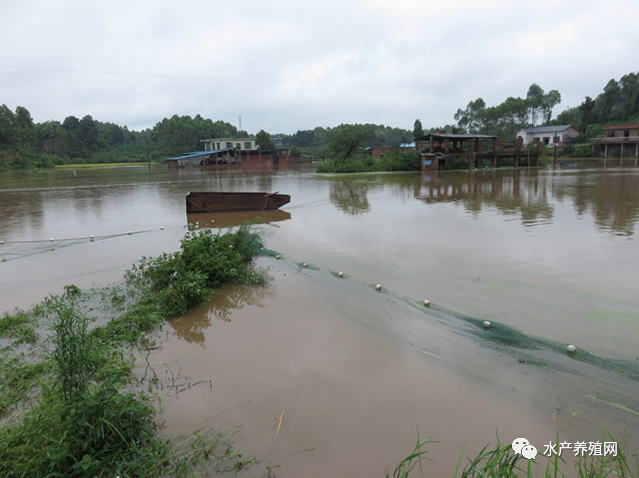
{"x":618,"y":102}
{"x":23,"y":141}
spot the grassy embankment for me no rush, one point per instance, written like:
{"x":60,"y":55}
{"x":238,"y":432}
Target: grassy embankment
{"x":391,"y":161}
{"x":98,"y":165}
{"x":29,"y":158}
{"x":70,"y":404}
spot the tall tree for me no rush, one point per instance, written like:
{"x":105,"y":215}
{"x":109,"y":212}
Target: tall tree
{"x":24,"y":127}
{"x":418,"y":131}
{"x":535,"y":100}
{"x":347,"y":141}
{"x":472,"y":118}
{"x":7,"y":126}
{"x":585,"y":110}
{"x":550,"y":100}
{"x":264,"y":141}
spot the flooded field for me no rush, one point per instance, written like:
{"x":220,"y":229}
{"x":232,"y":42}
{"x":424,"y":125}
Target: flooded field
{"x":325,"y":376}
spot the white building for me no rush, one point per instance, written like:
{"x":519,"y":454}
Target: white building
{"x":219,"y":144}
{"x":548,"y":134}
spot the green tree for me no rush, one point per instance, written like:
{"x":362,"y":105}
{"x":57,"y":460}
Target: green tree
{"x":24,"y":128}
{"x":418,"y":131}
{"x":472,"y":118}
{"x":550,"y":100}
{"x":585,"y":110}
{"x":347,"y":141}
{"x":7,"y":127}
{"x":535,"y":101}
{"x":264,"y":141}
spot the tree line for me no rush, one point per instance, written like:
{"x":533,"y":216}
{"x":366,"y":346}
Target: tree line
{"x":25,"y":143}
{"x":321,"y":139}
{"x":508,"y":117}
{"x":619,"y":102}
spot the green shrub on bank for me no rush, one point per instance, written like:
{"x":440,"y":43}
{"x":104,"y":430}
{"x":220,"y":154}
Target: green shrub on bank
{"x":28,"y":159}
{"x":393,"y":160}
{"x":578,"y":150}
{"x":85,"y":420}
{"x":82,"y":424}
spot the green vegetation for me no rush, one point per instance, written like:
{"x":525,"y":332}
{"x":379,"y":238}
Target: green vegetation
{"x":25,"y":144}
{"x":507,"y":118}
{"x":98,"y":165}
{"x":500,"y":462}
{"x":264,"y":141}
{"x":69,"y":405}
{"x":319,"y":141}
{"x":393,"y":160}
{"x":178,"y":134}
{"x":175,"y":282}
{"x":19,"y":327}
{"x":418,"y":130}
{"x":618,"y":103}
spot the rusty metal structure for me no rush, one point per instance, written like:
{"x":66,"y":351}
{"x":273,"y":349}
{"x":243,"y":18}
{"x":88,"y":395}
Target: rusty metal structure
{"x":622,"y":140}
{"x":437,"y":149}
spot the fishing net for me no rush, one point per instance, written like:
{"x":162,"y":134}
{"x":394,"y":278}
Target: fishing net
{"x":12,"y":250}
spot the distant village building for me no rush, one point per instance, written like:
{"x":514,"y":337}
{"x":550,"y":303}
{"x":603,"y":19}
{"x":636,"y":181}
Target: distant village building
{"x":220,"y":144}
{"x":549,"y":135}
{"x":622,"y":138}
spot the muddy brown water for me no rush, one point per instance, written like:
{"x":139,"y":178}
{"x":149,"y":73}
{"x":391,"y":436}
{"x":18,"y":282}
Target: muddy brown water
{"x":352,"y":372}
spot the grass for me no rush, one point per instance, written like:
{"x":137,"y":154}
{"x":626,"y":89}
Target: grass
{"x":19,"y":328}
{"x":499,"y":461}
{"x":99,"y":165}
{"x":70,"y":407}
{"x":391,"y":161}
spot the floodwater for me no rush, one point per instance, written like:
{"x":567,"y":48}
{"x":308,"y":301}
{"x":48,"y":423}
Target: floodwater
{"x":324,"y":376}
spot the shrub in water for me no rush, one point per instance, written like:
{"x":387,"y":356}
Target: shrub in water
{"x":178,"y":281}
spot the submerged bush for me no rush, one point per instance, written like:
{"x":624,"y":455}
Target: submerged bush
{"x":175,"y":282}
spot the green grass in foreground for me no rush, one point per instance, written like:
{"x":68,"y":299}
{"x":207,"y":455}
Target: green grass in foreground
{"x":73,"y":410}
{"x":501,"y":462}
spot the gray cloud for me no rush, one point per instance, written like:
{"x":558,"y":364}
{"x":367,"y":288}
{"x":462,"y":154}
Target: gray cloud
{"x":285,"y":65}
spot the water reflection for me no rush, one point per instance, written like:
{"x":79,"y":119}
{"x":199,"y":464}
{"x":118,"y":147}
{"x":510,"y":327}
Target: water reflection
{"x":224,"y":302}
{"x":510,"y":192}
{"x":202,"y":220}
{"x":350,"y":196}
{"x":610,"y":196}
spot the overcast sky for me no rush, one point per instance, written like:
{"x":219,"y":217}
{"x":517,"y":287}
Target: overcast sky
{"x":288,"y":65}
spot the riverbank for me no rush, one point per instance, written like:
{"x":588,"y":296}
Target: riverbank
{"x":102,"y":165}
{"x":70,"y":404}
